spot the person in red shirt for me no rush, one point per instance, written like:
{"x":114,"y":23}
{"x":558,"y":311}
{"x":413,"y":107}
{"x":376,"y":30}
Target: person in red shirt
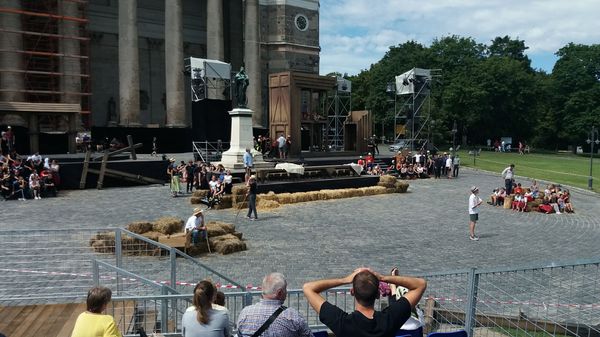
{"x":370,"y":160}
{"x":518,"y":189}
{"x":361,"y":161}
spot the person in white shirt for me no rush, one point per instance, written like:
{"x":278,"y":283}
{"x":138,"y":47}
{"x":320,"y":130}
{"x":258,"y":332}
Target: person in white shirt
{"x":281,"y":146}
{"x":449,"y":166}
{"x":474,"y":202}
{"x":195,"y":226}
{"x":455,"y":166}
{"x":508,"y":174}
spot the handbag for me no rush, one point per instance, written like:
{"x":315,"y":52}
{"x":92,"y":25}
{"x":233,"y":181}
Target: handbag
{"x":270,"y":320}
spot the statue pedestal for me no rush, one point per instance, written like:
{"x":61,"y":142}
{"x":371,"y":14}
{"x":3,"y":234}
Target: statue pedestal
{"x":241,"y":139}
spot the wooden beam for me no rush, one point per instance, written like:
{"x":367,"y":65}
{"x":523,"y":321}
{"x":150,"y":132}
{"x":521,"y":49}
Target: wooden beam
{"x":127,"y":176}
{"x":84,"y":171}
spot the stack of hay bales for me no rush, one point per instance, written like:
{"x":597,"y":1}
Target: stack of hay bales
{"x":238,"y":196}
{"x":223,"y":238}
{"x":401,"y":186}
{"x":198,"y":195}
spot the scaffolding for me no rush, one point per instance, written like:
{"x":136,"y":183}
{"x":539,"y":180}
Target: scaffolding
{"x":339,"y":107}
{"x":412,"y":105}
{"x":53,"y":47}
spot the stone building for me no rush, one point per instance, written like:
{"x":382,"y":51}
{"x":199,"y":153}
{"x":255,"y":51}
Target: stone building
{"x":68,"y":65}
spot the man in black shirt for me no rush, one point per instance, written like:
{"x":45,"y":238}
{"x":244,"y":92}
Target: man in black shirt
{"x":365,"y":321}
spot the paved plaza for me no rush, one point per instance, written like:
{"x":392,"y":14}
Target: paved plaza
{"x":424,"y":230}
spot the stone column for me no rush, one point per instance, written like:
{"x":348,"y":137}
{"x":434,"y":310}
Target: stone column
{"x":174,"y":64}
{"x":9,"y":59}
{"x":215,"y":45}
{"x":129,"y":68}
{"x":252,"y":61}
{"x":34,"y":133}
{"x":70,"y":82}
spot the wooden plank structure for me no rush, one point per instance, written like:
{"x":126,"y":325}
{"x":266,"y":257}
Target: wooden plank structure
{"x":56,"y":320}
{"x":322,"y":171}
{"x":104,"y":171}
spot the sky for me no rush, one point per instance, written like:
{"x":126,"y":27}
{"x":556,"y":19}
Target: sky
{"x":357,"y":33}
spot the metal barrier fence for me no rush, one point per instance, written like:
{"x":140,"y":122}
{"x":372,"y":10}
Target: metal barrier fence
{"x":556,"y":300}
{"x":56,"y":265}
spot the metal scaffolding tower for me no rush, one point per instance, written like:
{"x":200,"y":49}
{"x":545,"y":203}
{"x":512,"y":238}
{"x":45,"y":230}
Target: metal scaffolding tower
{"x":52,"y":44}
{"x":412,"y":105}
{"x":339,"y":106}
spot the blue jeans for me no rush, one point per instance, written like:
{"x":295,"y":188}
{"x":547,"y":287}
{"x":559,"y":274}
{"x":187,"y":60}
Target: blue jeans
{"x":196,"y":233}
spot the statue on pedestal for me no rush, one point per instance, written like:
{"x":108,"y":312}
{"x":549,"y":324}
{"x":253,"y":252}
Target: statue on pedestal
{"x":241,"y":84}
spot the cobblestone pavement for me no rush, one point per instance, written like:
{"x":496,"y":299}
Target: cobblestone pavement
{"x":424,"y":230}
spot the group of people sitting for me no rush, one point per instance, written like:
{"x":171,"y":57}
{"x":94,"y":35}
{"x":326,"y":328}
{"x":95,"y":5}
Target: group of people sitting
{"x":208,"y":315}
{"x":200,"y":176}
{"x":553,"y":199}
{"x":420,"y":165}
{"x":32,"y":177}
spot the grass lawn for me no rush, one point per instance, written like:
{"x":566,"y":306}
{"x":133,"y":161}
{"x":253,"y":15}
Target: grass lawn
{"x":565,"y":169}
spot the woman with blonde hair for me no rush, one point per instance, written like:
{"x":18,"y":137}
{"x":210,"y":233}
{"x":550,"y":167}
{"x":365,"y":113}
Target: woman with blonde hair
{"x":204,"y":321}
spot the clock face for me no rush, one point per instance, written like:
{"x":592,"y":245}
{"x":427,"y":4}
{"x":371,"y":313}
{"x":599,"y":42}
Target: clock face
{"x":301,"y":22}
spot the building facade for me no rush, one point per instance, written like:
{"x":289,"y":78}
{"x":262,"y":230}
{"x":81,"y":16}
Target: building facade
{"x":74,"y":64}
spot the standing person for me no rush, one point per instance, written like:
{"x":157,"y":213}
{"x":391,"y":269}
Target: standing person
{"x":248,"y":163}
{"x":194,"y":227}
{"x":456,"y":166}
{"x":449,"y":162}
{"x":474,"y":202}
{"x":281,"y":146}
{"x":9,"y":136}
{"x":92,"y":323}
{"x":288,"y":145}
{"x":365,"y":320}
{"x":287,"y":323}
{"x":204,"y":320}
{"x":509,"y":174}
{"x":251,"y":195}
{"x":190,"y":168}
{"x":173,"y":173}
{"x":375,"y":147}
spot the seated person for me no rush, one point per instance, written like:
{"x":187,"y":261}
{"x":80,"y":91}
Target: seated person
{"x":48,"y":185}
{"x":420,"y":171}
{"x":361,"y":162}
{"x":35,"y":185}
{"x":404,"y":171}
{"x":392,"y":168}
{"x":535,"y":189}
{"x":518,"y":189}
{"x":212,"y":184}
{"x":566,"y":197}
{"x":228,"y":181}
{"x":194,"y":227}
{"x":410,"y":172}
{"x":377,"y":170}
{"x":369,"y":160}
{"x":529,"y":195}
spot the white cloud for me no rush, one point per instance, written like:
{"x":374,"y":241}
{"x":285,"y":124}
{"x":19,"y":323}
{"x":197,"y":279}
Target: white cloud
{"x":356,"y":33}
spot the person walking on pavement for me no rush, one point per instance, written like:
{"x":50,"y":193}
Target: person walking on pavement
{"x":248,"y":163}
{"x":474,"y":202}
{"x":509,"y":174}
{"x":251,"y":195}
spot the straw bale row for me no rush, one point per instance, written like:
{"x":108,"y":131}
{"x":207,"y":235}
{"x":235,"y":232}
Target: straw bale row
{"x":222,"y":236}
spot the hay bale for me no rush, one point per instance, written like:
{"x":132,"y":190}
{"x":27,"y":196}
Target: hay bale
{"x":239,"y":189}
{"x":390,"y":190}
{"x":218,"y":228}
{"x":200,"y":194}
{"x":152,"y":235}
{"x":237,"y":235}
{"x":103,"y":242}
{"x":387,"y":181}
{"x":195,"y":200}
{"x":268,"y":196}
{"x":168,"y":225}
{"x":226,"y":202}
{"x":285,"y":198}
{"x":401,"y":187}
{"x":227,"y":244}
{"x":374,"y":190}
{"x":139,"y":227}
{"x":264,"y":205}
{"x":508,"y":202}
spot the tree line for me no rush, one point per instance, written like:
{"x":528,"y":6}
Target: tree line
{"x":492,"y":91}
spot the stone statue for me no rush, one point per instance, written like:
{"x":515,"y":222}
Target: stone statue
{"x":241,"y":84}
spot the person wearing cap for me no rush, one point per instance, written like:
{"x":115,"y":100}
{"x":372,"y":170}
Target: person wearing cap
{"x":195,"y":226}
{"x":474,"y":202}
{"x":251,"y":195}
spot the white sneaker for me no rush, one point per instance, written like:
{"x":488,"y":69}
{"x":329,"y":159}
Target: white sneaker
{"x":473,"y":238}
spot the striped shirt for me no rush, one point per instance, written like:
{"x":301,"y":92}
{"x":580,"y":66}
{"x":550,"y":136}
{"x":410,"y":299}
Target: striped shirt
{"x":288,"y":324}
